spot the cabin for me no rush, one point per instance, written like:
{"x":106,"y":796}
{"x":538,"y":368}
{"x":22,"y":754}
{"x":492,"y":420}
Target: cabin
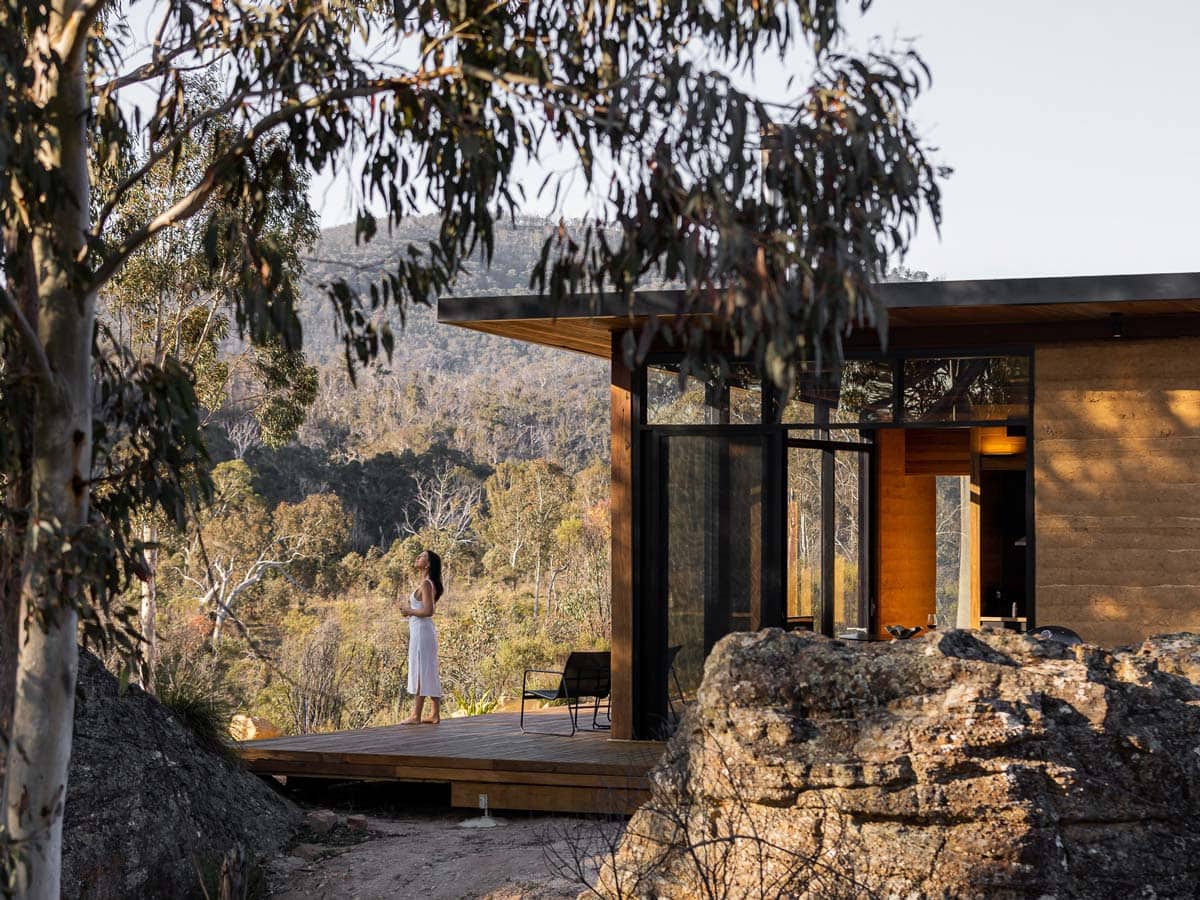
{"x":1018,"y":453}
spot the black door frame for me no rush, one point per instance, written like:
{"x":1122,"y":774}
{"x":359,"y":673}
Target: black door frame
{"x":649,"y":615}
{"x":867,"y":538}
{"x":775,"y":440}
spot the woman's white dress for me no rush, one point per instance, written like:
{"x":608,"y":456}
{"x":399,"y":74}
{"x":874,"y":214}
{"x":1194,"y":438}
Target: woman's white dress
{"x":422,"y":654}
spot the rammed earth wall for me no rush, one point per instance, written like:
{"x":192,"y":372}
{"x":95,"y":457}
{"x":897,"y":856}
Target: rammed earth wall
{"x":1117,"y":488}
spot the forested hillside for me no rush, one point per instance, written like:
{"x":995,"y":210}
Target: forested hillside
{"x":282,"y":602}
{"x":491,"y":397}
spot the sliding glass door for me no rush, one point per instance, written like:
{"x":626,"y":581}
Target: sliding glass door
{"x":744,"y":529}
{"x":710,"y":540}
{"x":827,"y":552}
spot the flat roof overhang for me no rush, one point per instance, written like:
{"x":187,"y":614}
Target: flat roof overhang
{"x":945,"y":312}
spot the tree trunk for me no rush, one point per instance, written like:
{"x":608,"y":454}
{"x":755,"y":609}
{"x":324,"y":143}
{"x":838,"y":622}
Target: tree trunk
{"x":35,"y":785}
{"x":537,"y":585}
{"x":149,"y":612}
{"x":19,"y":495}
{"x":551,"y":605}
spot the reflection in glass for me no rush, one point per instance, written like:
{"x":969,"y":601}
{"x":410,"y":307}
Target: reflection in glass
{"x":846,"y":474}
{"x":851,"y":474}
{"x":667,"y":404}
{"x":862,"y":394}
{"x":714,"y":545}
{"x":804,"y":533}
{"x":737,"y":400}
{"x":964,"y":389}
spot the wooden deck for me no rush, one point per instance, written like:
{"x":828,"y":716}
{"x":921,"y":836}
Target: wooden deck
{"x":477,"y":755}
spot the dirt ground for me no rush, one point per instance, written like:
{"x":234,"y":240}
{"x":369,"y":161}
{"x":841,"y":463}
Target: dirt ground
{"x":429,"y":854}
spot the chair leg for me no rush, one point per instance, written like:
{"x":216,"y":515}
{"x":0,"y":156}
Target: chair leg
{"x":596,"y":726}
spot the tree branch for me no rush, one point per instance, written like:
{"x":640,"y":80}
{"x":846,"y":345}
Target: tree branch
{"x":29,"y":338}
{"x":158,"y":155}
{"x":191,"y":203}
{"x":160,"y":65}
{"x":72,"y":39}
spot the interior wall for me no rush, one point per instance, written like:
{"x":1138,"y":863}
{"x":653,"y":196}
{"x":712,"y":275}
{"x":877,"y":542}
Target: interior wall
{"x":907,"y":537}
{"x":1117,"y":488}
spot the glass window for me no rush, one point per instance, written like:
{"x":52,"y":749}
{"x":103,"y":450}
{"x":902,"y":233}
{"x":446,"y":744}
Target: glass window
{"x":804,"y":522}
{"x":964,"y":389}
{"x":863,"y":394}
{"x":667,"y":404}
{"x":735,"y":401}
{"x":851,"y":477}
{"x":713,"y":535}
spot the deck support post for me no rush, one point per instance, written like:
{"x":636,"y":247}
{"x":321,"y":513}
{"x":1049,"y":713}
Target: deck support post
{"x":625,"y":402}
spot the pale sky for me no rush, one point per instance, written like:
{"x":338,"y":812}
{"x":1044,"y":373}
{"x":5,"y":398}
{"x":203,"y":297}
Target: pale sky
{"x":1073,"y":128}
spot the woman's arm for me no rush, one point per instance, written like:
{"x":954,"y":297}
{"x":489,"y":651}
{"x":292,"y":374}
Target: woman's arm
{"x":425,"y":610}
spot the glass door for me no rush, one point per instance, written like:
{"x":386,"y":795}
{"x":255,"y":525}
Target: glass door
{"x":743,"y":528}
{"x":711,"y":544}
{"x":827,"y":551}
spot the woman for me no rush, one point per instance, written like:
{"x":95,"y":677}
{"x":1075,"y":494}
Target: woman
{"x":423,"y":680}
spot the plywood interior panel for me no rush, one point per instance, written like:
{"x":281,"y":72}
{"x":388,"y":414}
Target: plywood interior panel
{"x":937,"y":451}
{"x":907,"y":538}
{"x":1117,"y":487}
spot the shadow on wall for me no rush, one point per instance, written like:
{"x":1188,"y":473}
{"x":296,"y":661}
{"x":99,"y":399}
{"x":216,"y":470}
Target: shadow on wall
{"x":1116,"y":455}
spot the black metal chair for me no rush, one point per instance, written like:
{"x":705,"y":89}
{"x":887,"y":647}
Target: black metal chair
{"x":1057,"y":633}
{"x":585,"y":674}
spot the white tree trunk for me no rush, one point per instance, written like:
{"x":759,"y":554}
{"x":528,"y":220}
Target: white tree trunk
{"x":35,"y":784}
{"x":537,"y":585}
{"x":149,"y":612}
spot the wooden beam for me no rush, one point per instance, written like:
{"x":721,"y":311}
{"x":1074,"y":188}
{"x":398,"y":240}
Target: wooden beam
{"x":622,"y":402}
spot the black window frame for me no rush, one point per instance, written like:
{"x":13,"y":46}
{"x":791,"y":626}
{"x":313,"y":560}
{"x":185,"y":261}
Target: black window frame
{"x":776,"y":437}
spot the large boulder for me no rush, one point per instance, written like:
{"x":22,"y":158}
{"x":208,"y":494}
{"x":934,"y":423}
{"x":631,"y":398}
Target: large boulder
{"x":148,"y":805}
{"x":962,"y":764}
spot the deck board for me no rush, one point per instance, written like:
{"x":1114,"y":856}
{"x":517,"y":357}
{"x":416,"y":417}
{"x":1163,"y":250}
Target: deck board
{"x":586,"y":772}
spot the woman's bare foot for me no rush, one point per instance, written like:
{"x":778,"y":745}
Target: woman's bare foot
{"x":411,"y":720}
{"x":431,"y":721}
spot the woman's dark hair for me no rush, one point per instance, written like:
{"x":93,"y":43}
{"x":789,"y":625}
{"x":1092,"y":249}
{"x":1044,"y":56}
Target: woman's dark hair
{"x":435,"y":573}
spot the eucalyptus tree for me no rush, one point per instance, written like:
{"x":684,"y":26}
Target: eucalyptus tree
{"x":174,"y":298}
{"x":428,"y":105}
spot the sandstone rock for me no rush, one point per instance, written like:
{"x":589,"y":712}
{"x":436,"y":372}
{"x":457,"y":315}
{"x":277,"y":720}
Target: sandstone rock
{"x":356,"y":823}
{"x":962,"y":764}
{"x":147,"y":802}
{"x":252,"y":728}
{"x":308,"y":852}
{"x":321,"y":821}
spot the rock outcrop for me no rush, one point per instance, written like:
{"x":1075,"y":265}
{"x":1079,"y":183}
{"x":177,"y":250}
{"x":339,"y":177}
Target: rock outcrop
{"x":148,"y":805}
{"x":252,"y":728}
{"x":962,"y":764}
